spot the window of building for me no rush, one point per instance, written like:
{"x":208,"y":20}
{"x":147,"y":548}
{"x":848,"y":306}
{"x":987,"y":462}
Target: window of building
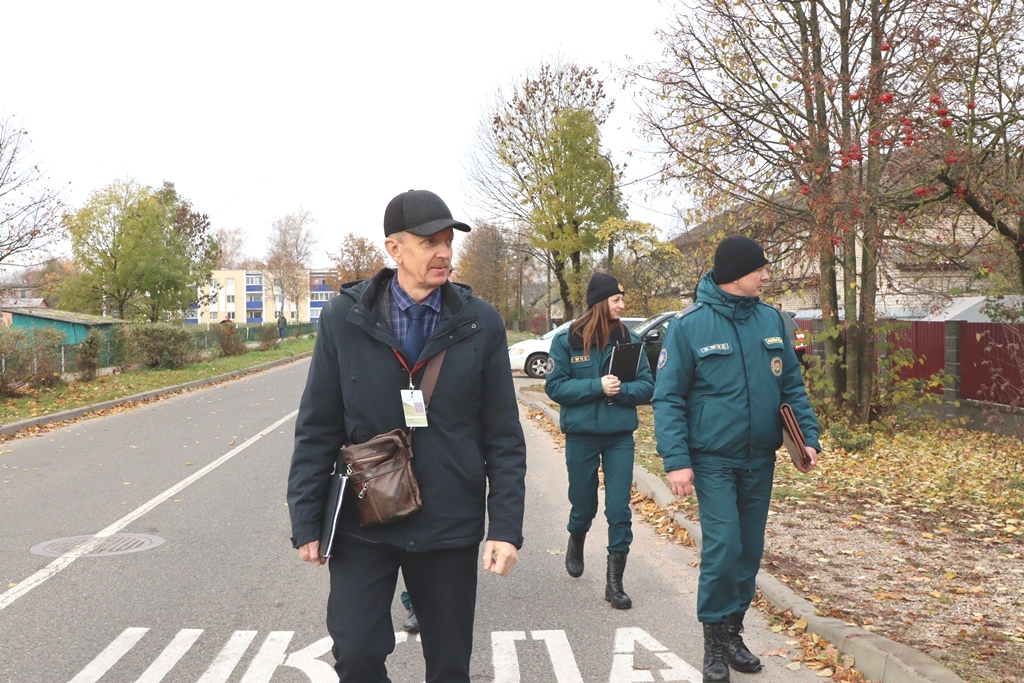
{"x":314,"y":314}
{"x":231,"y":315}
{"x":230,"y":283}
{"x":294,"y":315}
{"x":258,"y":298}
{"x":254,"y":279}
{"x":231,"y":298}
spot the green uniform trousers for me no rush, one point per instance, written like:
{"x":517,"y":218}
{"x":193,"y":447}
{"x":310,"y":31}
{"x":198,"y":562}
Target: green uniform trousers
{"x":614,"y":453}
{"x":734,"y":501}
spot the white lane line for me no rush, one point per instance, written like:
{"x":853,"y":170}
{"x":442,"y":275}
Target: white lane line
{"x":67,"y":558}
{"x":185,"y":639}
{"x":110,"y":656}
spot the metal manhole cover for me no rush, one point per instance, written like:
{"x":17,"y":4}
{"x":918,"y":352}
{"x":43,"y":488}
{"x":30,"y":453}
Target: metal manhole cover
{"x":118,"y":544}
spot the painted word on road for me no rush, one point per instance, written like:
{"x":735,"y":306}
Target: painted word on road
{"x":274,"y":653}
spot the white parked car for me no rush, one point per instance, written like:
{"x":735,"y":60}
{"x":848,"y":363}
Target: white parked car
{"x":531,"y":355}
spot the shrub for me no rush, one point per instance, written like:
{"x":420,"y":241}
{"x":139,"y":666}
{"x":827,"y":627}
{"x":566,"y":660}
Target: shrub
{"x":160,"y":345}
{"x":230,"y":341}
{"x":15,"y":360}
{"x":848,"y":440}
{"x":88,"y":360}
{"x":270,"y":338}
{"x":117,"y":346}
{"x":45,"y":345}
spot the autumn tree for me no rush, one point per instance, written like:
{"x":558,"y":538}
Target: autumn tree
{"x":971,"y":129}
{"x":538,"y":161}
{"x":291,"y":247}
{"x":793,"y":119}
{"x":358,"y":258}
{"x":141,"y":252}
{"x":30,"y":209}
{"x":486,"y":261}
{"x":652,"y":271}
{"x":231,"y":244}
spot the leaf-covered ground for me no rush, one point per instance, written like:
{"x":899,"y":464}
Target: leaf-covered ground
{"x":919,"y":538}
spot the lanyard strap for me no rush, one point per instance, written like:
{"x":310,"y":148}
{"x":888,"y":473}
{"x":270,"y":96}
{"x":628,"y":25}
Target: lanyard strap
{"x":430,"y":374}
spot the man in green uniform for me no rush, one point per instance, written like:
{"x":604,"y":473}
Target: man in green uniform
{"x":726,"y":367}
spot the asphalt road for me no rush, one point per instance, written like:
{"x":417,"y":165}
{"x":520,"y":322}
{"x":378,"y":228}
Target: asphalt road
{"x":223,"y":597}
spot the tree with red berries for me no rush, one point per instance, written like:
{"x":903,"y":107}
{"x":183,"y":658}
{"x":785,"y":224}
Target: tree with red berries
{"x":802,"y":120}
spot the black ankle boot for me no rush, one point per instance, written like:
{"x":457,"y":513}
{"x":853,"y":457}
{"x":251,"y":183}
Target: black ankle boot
{"x":716,"y":670}
{"x":613,"y":592}
{"x":574,"y":555}
{"x":740,"y":658}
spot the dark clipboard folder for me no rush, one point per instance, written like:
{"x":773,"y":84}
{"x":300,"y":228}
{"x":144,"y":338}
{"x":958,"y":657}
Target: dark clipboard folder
{"x":626,"y":361}
{"x":332,"y":510}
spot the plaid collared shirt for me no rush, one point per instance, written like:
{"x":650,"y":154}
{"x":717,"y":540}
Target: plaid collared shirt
{"x":400,"y":302}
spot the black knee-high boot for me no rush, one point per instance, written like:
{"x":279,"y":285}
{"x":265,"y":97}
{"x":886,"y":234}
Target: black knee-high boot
{"x":613,"y":591}
{"x":740,"y":658}
{"x":574,"y":555}
{"x":716,"y":670}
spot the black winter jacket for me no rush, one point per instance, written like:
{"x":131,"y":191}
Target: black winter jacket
{"x":472,"y":457}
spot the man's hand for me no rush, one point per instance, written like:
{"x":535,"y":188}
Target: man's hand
{"x":500,"y":557}
{"x":681,"y":481}
{"x":812,"y":456}
{"x":610,"y":385}
{"x":311,"y":553}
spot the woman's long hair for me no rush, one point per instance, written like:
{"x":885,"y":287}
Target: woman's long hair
{"x":596,"y":325}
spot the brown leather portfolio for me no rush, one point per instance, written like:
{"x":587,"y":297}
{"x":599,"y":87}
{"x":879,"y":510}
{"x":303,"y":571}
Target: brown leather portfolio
{"x":793,"y":438}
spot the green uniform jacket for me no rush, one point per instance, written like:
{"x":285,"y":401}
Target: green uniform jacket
{"x":726,"y":366}
{"x":574,"y":382}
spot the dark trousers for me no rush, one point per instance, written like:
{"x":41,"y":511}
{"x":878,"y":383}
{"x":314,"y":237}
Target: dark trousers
{"x":442,"y":585}
{"x":614,"y":453}
{"x":734,"y":503}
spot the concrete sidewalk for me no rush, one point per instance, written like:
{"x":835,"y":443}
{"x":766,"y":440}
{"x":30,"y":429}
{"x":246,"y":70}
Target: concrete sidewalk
{"x":878,"y":658}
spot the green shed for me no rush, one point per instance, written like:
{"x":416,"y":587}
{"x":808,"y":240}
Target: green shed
{"x":75,"y":326}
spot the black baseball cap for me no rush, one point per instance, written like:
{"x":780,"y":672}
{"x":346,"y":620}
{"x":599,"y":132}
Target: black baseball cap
{"x":420,"y":212}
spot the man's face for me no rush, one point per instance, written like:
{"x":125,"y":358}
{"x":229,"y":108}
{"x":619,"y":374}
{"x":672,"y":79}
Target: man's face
{"x":423,"y":262}
{"x":751,"y":284}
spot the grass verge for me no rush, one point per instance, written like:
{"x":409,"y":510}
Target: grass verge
{"x":34,"y":403}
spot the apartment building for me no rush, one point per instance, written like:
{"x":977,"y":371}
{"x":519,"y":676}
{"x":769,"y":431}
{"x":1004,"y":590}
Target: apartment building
{"x":253,"y":297}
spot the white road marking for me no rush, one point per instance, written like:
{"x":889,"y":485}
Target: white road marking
{"x":504,"y":657}
{"x":270,"y":656}
{"x":227,"y":660}
{"x":185,"y":639}
{"x":62,"y":562}
{"x":623,"y":671}
{"x":273,"y":655}
{"x":110,"y":656}
{"x":561,"y":655}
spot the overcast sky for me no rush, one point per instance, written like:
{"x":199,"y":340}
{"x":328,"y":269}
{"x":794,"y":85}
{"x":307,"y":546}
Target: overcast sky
{"x":336,"y":106}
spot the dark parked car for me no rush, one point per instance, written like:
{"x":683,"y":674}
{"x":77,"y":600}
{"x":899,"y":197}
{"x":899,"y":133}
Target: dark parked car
{"x":652,"y":334}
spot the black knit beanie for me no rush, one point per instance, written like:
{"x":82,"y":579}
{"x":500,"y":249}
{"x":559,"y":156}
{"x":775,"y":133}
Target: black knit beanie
{"x":735,"y":257}
{"x":601,"y":287}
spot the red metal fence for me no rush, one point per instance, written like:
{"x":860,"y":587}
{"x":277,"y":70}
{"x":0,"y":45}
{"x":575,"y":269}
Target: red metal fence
{"x":928,"y":340}
{"x":991,"y":362}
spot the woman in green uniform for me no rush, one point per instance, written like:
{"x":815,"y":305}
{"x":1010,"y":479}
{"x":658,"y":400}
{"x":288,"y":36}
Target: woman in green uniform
{"x":598,"y":418}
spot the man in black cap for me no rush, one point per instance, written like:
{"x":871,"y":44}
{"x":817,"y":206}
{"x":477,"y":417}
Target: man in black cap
{"x":725,"y":368}
{"x":373,"y":341}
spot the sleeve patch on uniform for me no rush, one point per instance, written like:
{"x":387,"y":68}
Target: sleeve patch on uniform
{"x":777,"y":366}
{"x":549,"y":367}
{"x":662,"y":358}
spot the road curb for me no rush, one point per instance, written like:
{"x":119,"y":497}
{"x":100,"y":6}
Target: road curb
{"x":878,"y":658}
{"x":75,"y":413}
